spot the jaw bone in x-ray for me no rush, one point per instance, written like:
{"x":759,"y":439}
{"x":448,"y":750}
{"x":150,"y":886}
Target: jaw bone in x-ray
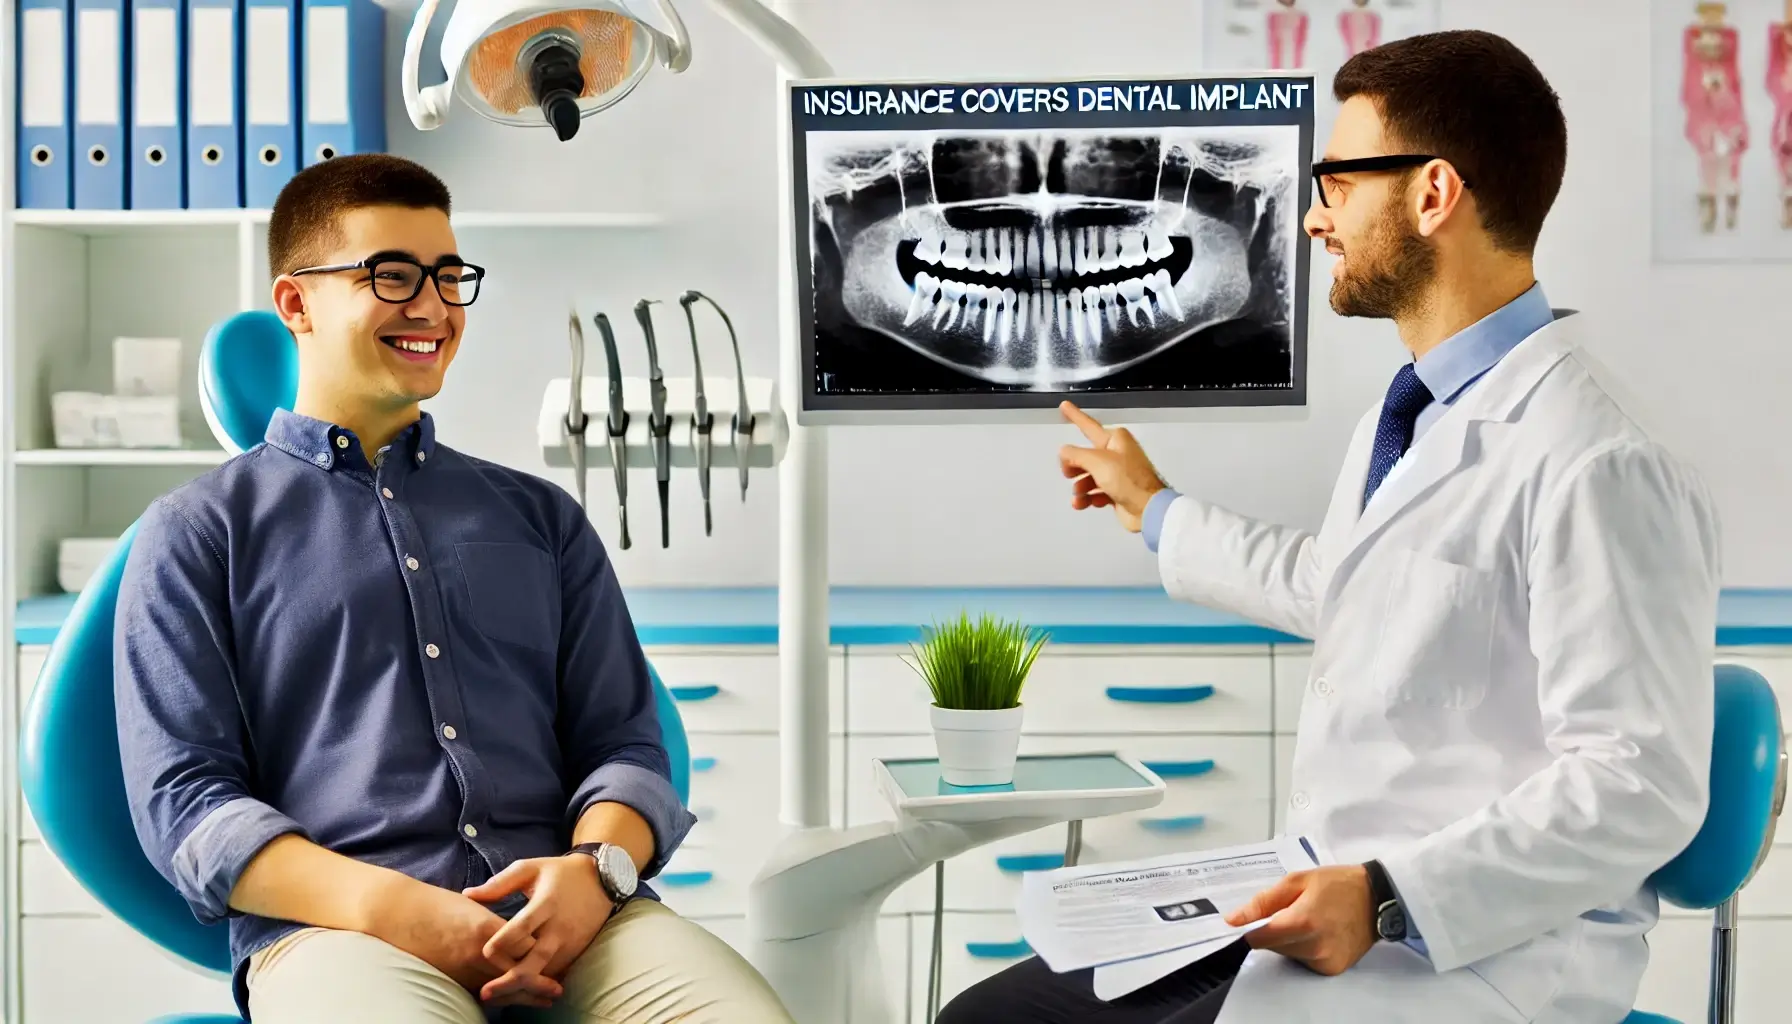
{"x":1048,"y":261}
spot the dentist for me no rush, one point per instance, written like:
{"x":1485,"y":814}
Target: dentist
{"x":1512,"y":599}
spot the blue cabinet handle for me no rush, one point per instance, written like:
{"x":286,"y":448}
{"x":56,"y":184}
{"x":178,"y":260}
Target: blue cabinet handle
{"x":1159,"y":694}
{"x":703,"y":764}
{"x":701,"y":692}
{"x":999,"y":950}
{"x":1030,"y":862}
{"x":1180,"y":769}
{"x":684,"y":879}
{"x":1188,"y":823}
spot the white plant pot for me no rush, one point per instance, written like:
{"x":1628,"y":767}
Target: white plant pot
{"x":976,"y":748}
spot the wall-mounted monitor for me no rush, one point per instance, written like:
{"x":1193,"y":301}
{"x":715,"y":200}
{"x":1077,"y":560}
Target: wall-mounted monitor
{"x":971,"y":252}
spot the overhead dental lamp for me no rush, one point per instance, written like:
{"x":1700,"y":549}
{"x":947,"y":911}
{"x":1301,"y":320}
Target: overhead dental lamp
{"x":540,"y":62}
{"x":529,"y":62}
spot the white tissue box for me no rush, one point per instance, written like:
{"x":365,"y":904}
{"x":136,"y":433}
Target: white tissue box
{"x":78,"y":558}
{"x":147,"y":421}
{"x":84,"y":419}
{"x":146,"y":366}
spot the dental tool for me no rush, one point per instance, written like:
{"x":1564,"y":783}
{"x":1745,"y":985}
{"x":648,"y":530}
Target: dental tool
{"x":743,"y":421}
{"x":659,"y":425}
{"x":576,"y":420}
{"x":703,"y":420}
{"x":616,"y":425}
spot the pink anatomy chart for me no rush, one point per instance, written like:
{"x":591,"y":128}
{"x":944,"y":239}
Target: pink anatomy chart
{"x":1306,"y":35}
{"x":1723,"y":130}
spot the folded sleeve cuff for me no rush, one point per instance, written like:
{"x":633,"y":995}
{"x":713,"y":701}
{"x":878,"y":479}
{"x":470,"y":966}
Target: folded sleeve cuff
{"x":208,"y":863}
{"x":647,"y":793}
{"x":1151,"y":524}
{"x":1420,"y":905}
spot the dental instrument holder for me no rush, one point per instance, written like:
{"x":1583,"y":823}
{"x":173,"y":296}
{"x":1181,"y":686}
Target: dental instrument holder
{"x":763,"y":447}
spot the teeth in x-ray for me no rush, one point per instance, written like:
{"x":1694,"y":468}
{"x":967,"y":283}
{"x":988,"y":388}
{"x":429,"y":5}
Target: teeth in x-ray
{"x":1044,"y":253}
{"x":1084,"y":316}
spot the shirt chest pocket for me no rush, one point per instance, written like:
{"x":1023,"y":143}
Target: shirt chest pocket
{"x":1437,"y":633}
{"x":513,"y":593}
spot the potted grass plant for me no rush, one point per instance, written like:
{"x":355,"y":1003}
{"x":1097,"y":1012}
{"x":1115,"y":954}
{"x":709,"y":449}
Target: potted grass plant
{"x":976,"y":669}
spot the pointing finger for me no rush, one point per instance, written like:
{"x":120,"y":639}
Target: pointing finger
{"x":1095,"y":432}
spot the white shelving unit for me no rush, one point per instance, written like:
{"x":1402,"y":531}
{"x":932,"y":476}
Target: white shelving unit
{"x":70,"y":282}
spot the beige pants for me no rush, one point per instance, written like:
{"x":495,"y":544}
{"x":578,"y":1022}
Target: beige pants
{"x":647,"y":966}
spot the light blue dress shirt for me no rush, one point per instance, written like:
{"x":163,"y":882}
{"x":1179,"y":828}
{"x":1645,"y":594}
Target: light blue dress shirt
{"x":1448,"y":371}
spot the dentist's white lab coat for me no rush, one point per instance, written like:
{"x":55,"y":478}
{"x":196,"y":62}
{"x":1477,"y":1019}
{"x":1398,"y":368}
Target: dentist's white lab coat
{"x":1510,"y":701}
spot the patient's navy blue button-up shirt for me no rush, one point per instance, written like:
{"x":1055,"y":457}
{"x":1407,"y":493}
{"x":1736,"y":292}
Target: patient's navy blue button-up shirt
{"x":424,"y":664}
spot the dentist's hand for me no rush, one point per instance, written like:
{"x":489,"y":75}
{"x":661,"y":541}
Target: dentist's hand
{"x":1319,"y":917}
{"x":1115,"y":472}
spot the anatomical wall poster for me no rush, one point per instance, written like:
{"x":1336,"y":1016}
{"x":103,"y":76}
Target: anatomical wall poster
{"x":1722,"y":139}
{"x":1316,"y":35}
{"x":976,"y":251}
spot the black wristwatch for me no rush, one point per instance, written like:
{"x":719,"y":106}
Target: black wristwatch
{"x":1387,"y":917}
{"x":615,"y":870}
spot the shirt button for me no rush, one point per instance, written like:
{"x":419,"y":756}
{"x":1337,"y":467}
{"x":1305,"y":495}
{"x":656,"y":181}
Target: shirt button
{"x":469,"y":830}
{"x":387,"y":491}
{"x":1300,"y":801}
{"x":422,"y":455}
{"x":341,"y":442}
{"x":410,"y":563}
{"x":432,"y":650}
{"x":1322,"y":686}
{"x":323,"y":458}
{"x":448,"y":731}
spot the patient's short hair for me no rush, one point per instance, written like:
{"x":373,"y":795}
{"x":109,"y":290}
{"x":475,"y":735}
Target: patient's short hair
{"x":305,"y":222}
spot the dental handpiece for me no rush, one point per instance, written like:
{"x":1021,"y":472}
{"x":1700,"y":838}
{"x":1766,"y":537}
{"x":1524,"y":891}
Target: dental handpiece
{"x":659,"y":425}
{"x":576,"y":420}
{"x":616,"y":424}
{"x":704,"y":421}
{"x":743,"y":420}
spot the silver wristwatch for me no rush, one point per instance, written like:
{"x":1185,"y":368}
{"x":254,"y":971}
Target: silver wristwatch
{"x":615,"y":870}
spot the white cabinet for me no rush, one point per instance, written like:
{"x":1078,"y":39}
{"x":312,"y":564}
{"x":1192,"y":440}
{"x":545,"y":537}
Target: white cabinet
{"x":1217,"y":722}
{"x":95,"y":970}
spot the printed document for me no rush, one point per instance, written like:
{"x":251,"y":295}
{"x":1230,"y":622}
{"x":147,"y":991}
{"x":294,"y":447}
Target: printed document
{"x":1098,"y":915}
{"x":1116,"y":980}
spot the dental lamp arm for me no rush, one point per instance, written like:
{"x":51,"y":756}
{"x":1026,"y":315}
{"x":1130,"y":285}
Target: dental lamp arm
{"x":426,"y":106}
{"x":790,"y":48}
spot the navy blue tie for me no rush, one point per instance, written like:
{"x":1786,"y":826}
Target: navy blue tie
{"x":1407,"y":397}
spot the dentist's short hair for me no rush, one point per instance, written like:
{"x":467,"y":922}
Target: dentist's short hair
{"x":304,"y":223}
{"x":1473,"y":99}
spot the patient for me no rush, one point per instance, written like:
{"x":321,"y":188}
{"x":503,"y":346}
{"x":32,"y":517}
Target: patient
{"x":380,"y":704}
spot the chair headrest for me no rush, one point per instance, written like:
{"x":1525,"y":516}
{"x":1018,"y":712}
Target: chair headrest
{"x":248,"y":367}
{"x":1748,"y":790}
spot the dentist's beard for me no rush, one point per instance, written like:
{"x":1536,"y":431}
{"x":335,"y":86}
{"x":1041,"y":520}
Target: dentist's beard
{"x":1387,"y":276}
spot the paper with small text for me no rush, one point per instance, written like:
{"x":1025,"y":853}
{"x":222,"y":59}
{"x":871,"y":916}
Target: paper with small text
{"x":1116,"y":980}
{"x":1097,"y":915}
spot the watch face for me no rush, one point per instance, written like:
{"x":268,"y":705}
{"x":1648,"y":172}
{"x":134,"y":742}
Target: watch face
{"x":618,"y":871}
{"x":1391,"y":923}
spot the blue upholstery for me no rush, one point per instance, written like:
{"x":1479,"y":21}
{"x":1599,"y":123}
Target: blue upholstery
{"x":69,"y":765}
{"x":248,"y":367}
{"x":1747,"y":789}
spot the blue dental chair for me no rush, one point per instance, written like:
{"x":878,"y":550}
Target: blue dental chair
{"x":1748,"y":789}
{"x":69,"y":765}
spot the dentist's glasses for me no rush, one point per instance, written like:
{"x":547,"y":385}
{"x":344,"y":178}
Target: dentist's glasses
{"x":1326,"y":168}
{"x":399,"y":279}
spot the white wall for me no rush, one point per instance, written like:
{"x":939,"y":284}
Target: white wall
{"x":1709,"y":348}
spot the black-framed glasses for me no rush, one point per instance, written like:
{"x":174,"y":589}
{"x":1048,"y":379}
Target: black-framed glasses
{"x":1364,"y":165}
{"x":399,"y":279}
